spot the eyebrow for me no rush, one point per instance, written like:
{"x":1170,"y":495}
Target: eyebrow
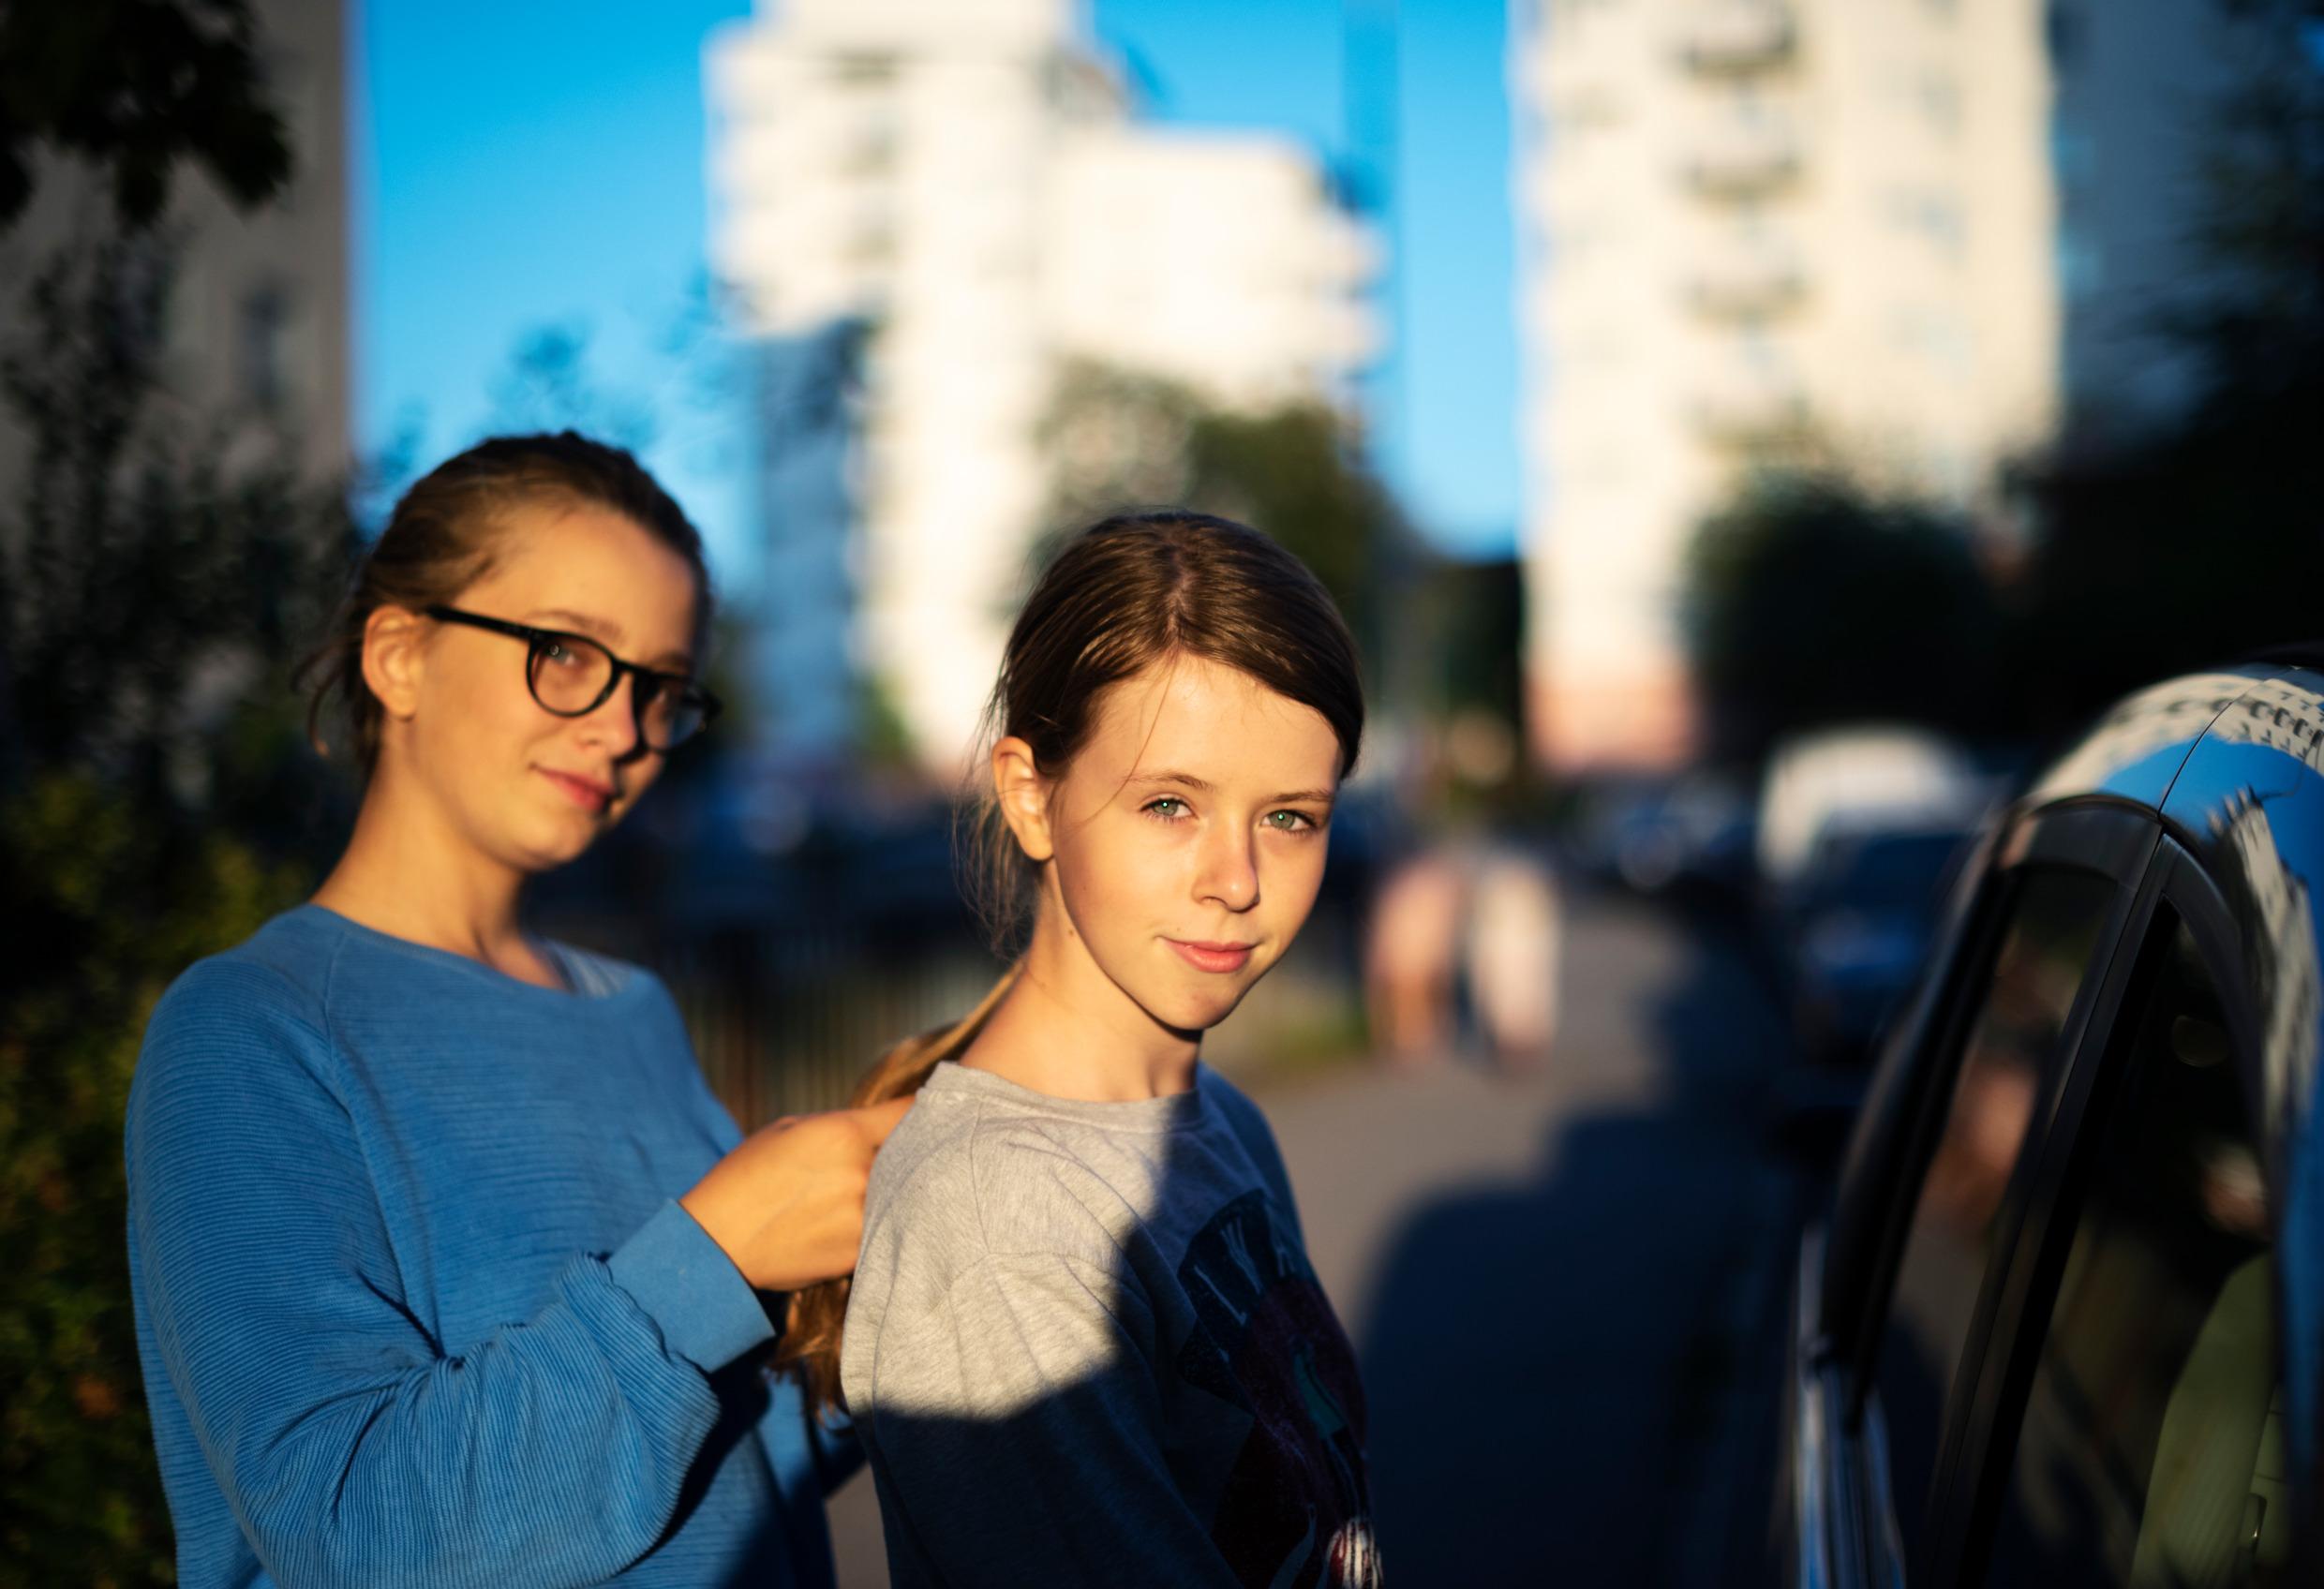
{"x":1189,"y":780}
{"x":608,"y":632}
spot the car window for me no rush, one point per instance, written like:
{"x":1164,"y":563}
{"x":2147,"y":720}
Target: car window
{"x":2005,"y":1063}
{"x":2150,"y":1451}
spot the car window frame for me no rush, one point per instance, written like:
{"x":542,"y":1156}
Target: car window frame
{"x":2176,"y":891}
{"x":1904,"y":1119}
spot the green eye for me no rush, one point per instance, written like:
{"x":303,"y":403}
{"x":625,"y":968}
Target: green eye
{"x":1177,"y":807}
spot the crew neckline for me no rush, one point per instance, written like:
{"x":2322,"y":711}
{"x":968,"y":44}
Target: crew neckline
{"x":1173,"y":1112}
{"x":588,"y":978}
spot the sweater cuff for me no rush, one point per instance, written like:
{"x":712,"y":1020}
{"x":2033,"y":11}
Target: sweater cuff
{"x":688,"y":1286}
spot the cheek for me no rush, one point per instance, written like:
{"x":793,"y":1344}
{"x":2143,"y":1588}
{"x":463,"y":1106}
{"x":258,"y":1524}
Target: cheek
{"x":1291,"y":878}
{"x":481,"y":718}
{"x":1115,"y":880}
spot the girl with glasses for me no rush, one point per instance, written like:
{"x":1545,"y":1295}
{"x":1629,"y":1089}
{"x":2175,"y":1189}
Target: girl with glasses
{"x":447,"y":1265}
{"x":1085,"y":1344}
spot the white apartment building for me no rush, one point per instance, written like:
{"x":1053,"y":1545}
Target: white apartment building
{"x":964,"y":179}
{"x":1755,"y":230}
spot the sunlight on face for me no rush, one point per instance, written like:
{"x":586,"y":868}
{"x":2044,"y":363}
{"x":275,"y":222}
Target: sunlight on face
{"x":524,"y":785}
{"x":1189,"y":836}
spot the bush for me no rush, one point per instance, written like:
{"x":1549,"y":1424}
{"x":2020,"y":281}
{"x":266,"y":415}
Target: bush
{"x":107,"y":907}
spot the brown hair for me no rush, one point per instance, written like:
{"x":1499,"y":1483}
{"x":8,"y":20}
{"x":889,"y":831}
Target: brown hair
{"x":445,"y":534}
{"x":1123,"y":594}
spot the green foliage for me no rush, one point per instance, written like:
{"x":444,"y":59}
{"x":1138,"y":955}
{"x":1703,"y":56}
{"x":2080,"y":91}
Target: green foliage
{"x":1293,"y":471}
{"x":1809,"y":602}
{"x":137,"y":86}
{"x":156,"y":803}
{"x":149,"y":579}
{"x":1124,"y":441}
{"x":108,"y":905}
{"x":1463,"y":624}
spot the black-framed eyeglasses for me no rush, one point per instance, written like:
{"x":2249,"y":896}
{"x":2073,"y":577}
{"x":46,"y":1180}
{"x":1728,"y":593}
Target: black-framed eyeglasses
{"x":571,"y":675}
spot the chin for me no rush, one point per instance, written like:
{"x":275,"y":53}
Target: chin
{"x":1195,"y":1012}
{"x":546,"y":851}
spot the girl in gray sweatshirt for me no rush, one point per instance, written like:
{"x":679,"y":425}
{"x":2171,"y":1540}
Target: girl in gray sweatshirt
{"x":1084,"y":1344}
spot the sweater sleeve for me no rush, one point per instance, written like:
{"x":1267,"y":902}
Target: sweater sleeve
{"x":352,"y":1446}
{"x":1016,"y":1434}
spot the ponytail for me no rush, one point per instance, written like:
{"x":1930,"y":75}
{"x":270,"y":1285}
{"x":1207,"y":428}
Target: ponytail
{"x":809,"y":1346}
{"x":1123,"y":595}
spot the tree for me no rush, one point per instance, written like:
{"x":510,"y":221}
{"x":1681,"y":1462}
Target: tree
{"x":156,"y":800}
{"x":137,"y":87}
{"x":1810,"y":602}
{"x":2206,"y":540}
{"x":146,"y":574}
{"x":2259,"y":221}
{"x":1121,"y":441}
{"x":159,"y":803}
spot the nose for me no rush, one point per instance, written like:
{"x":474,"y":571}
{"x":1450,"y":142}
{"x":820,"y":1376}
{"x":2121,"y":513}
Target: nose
{"x":1227,"y":869}
{"x":614,"y":725}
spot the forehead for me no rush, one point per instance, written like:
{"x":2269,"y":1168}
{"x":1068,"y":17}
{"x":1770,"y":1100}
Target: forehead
{"x":1190,"y":715}
{"x":591,"y":562}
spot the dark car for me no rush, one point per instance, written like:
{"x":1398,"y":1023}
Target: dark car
{"x":1856,"y":929}
{"x":2065,"y":1322}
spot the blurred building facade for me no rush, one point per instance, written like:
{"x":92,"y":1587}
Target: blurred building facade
{"x":257,"y":318}
{"x":964,"y":182}
{"x":1757,"y":231}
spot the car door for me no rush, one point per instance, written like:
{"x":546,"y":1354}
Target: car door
{"x":1896,"y":1311}
{"x":2128,"y":1428}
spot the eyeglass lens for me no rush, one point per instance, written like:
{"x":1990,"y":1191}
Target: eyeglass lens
{"x":570,"y":676}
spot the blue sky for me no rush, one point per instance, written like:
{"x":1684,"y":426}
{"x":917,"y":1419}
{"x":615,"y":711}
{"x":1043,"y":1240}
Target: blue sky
{"x":526,"y":165}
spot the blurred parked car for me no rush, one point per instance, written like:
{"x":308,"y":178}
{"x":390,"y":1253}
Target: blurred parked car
{"x":1856,"y":925}
{"x":1860,"y":776}
{"x":1650,"y":835}
{"x":2065,"y":1322}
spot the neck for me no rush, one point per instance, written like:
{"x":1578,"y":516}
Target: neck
{"x":1067,"y":1030}
{"x":408,"y":871}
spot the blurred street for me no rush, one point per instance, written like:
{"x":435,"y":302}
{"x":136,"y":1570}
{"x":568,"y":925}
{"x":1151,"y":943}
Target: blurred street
{"x":1567,"y":1288}
{"x":1748,"y":441}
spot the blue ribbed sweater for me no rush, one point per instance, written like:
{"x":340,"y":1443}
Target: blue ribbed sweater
{"x":413,"y":1300}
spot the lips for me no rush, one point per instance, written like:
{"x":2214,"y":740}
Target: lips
{"x":587,"y":793}
{"x":1212,"y":956}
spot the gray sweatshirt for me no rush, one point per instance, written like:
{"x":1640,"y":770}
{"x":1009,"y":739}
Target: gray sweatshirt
{"x":1084,"y":1346}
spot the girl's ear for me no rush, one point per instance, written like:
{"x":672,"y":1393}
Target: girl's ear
{"x":393,"y":659}
{"x":1023,"y":796}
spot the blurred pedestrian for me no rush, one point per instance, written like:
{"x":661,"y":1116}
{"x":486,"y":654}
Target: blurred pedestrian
{"x":1085,"y":1344}
{"x":1512,"y":943}
{"x":444,"y":1255}
{"x":1411,"y":958}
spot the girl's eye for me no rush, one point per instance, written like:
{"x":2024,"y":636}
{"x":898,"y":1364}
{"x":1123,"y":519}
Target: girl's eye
{"x":1176,"y":807}
{"x":1288,"y":821}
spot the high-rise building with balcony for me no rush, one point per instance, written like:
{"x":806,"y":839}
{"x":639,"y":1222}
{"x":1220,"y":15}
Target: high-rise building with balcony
{"x":961,"y":179}
{"x":1757,"y":231}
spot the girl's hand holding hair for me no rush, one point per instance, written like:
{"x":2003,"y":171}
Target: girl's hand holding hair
{"x":787,"y":1204}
